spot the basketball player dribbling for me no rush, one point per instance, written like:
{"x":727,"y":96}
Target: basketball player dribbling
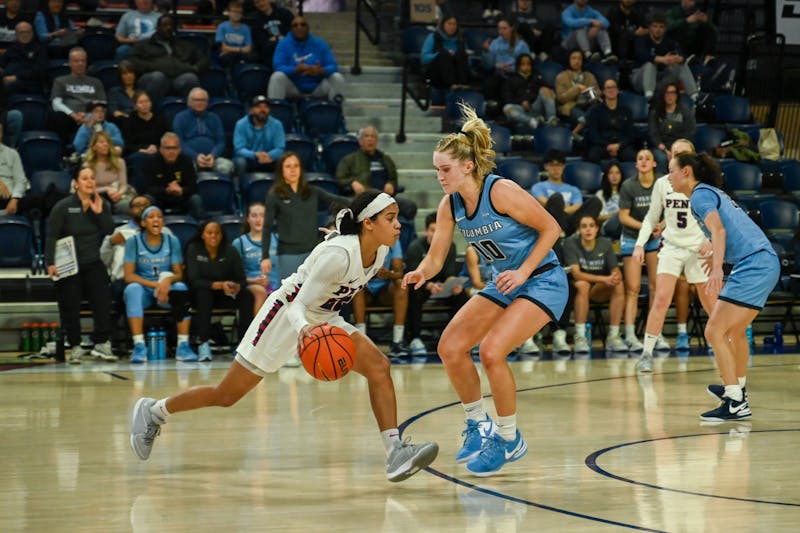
{"x":515,"y":235}
{"x":336,"y":270}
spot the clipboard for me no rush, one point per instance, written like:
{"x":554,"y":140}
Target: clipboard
{"x":66,"y":260}
{"x":447,"y":289}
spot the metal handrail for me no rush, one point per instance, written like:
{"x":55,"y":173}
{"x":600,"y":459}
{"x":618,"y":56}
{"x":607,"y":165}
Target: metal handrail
{"x":360,"y":26}
{"x":422,"y":101}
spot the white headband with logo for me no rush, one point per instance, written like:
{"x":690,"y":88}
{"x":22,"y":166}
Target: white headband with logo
{"x":378,"y":204}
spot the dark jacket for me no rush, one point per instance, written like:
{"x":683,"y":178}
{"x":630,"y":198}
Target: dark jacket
{"x":646,"y":50}
{"x":356,"y":166}
{"x":605,"y":126}
{"x":267,"y":30}
{"x":665,"y":130}
{"x":417,"y":251}
{"x":86,"y":227}
{"x":202,"y":271}
{"x":141,"y":133}
{"x":159,"y":174}
{"x":28,"y":63}
{"x":518,"y":89}
{"x":151,"y":55}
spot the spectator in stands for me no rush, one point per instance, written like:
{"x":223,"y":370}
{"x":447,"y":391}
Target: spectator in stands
{"x":526,"y":100}
{"x":385,"y":289}
{"x":634,"y":201}
{"x":536,"y":23}
{"x":258,"y":139}
{"x":562,"y":200}
{"x":370,"y":168}
{"x":13,"y":183}
{"x":608,"y":193}
{"x":491,"y":9}
{"x":694,"y":31}
{"x":24,"y":65}
{"x":627,"y":21}
{"x":10,"y":16}
{"x":233,"y":38}
{"x":576,"y":91}
{"x":120,"y":98}
{"x":292,"y":203}
{"x":110,"y":173}
{"x":202,"y":134}
{"x":216,"y":277}
{"x":303,"y":64}
{"x":500,"y":55}
{"x":609,"y":128}
{"x":85,"y":217}
{"x":55,"y":30}
{"x":596,"y":277}
{"x":136,"y":25}
{"x":444,"y":57}
{"x":70,"y":95}
{"x":660,"y":58}
{"x":417,"y":250}
{"x":248,"y":244}
{"x":96,"y":121}
{"x":154,"y":272}
{"x":585,"y":27}
{"x":670,"y":120}
{"x":268,"y":26}
{"x":171,"y":179}
{"x":143,"y":128}
{"x":166,"y":64}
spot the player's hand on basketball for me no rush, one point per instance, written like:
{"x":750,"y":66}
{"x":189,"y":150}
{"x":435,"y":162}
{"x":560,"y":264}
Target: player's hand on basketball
{"x":415,"y":278}
{"x":638,"y":254}
{"x":305,"y":333}
{"x":509,"y":280}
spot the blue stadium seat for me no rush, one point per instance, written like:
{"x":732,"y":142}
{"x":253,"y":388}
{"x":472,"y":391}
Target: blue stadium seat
{"x":99,"y":46}
{"x":170,"y":106}
{"x":547,"y":138}
{"x":107,"y":72}
{"x":501,"y":137}
{"x":524,"y":173}
{"x":33,"y":108}
{"x":39,"y":150}
{"x":251,"y":80}
{"x":231,"y":225}
{"x":254,"y":187}
{"x":321,"y":117}
{"x":790,"y":169}
{"x":549,"y":70}
{"x":706,"y":138}
{"x":56,"y":68}
{"x":229,"y":110}
{"x":182,"y":226}
{"x":730,"y":109}
{"x":629,"y":169}
{"x":779,"y":219}
{"x":334,"y":148}
{"x":284,"y":111}
{"x":16,"y":234}
{"x":412,"y":39}
{"x":305,"y":149}
{"x":743,"y":183}
{"x":215,"y":82}
{"x":42,"y":180}
{"x":474,"y":99}
{"x":323,"y":180}
{"x":217,"y":192}
{"x":475,"y":37}
{"x":636,"y":103}
{"x":602,"y":72}
{"x":584,"y":175}
{"x":198,"y":40}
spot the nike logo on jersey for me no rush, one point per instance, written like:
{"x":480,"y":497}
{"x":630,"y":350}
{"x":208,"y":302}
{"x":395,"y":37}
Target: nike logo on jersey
{"x":352,"y":281}
{"x":459,"y":219}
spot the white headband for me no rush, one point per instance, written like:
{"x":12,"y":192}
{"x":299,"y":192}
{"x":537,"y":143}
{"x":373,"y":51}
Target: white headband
{"x":378,"y":204}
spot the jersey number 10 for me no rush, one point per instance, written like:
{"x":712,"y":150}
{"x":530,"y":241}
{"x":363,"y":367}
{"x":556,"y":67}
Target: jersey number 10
{"x":489,"y":250}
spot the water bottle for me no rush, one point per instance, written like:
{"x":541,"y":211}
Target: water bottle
{"x":749,"y":333}
{"x":25,"y":337}
{"x":152,"y":344}
{"x":36,"y":341}
{"x":44,"y":333}
{"x":589,"y":336}
{"x":779,"y":334}
{"x":162,"y":343}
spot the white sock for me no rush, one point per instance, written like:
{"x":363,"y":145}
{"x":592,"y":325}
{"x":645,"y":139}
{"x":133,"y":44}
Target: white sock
{"x":138,"y":339}
{"x":580,"y":330}
{"x":390,"y":436}
{"x":613,"y":331}
{"x":734,"y":392}
{"x":507,"y":427}
{"x":159,"y":411}
{"x":475,"y":410}
{"x":649,"y":343}
{"x":630,"y":331}
{"x":362,"y":328}
{"x":183,"y":338}
{"x":397,"y":333}
{"x":682,"y":328}
{"x":742,"y":381}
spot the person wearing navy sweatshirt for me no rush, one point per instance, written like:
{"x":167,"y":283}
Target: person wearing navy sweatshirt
{"x":303,"y":65}
{"x":202,"y":134}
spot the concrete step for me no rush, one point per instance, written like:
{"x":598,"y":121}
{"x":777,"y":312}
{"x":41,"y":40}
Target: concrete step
{"x":374,"y":73}
{"x":391,"y":123}
{"x":374,"y":90}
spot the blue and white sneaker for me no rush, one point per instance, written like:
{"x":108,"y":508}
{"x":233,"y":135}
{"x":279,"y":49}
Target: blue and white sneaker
{"x":474,"y":436}
{"x":495,"y":453}
{"x":185,"y":353}
{"x":204,"y":352}
{"x":417,"y":348}
{"x":139,"y":354}
{"x":682,"y":342}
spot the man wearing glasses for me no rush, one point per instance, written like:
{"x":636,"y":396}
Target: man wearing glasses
{"x":660,"y":58}
{"x":170,"y":178}
{"x":304,"y":65}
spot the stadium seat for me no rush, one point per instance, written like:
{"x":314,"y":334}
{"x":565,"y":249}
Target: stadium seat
{"x":629,"y":169}
{"x":790,"y":168}
{"x":183,"y":227}
{"x":706,"y":138}
{"x":474,"y":99}
{"x":743,"y":183}
{"x":107,"y":72}
{"x":33,"y":108}
{"x":334,"y":148}
{"x":523,"y":172}
{"x":779,"y":220}
{"x":501,"y":137}
{"x":324,"y":181}
{"x":56,"y":68}
{"x":602,"y":72}
{"x":229,"y":111}
{"x":198,"y":40}
{"x":217,"y":192}
{"x":251,"y":80}
{"x":612,"y":228}
{"x":284,"y":111}
{"x":231,"y":225}
{"x":636,"y":103}
{"x":475,"y":37}
{"x":39,"y":150}
{"x":305,"y":149}
{"x":16,"y":234}
{"x":42,"y":180}
{"x":321,"y":117}
{"x":215,"y":82}
{"x":169,"y":107}
{"x":549,"y":70}
{"x":584,"y":175}
{"x":730,"y":109}
{"x":254,"y":187}
{"x":99,"y":46}
{"x":547,"y":138}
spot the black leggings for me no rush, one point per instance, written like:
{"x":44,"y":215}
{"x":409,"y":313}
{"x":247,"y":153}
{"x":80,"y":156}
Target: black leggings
{"x":206,"y":299}
{"x":90,"y":283}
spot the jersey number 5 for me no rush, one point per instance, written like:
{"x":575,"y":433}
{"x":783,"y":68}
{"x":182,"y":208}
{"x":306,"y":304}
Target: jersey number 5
{"x":488,"y":250}
{"x":682,"y":220}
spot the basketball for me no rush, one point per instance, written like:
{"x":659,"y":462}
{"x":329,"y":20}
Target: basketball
{"x":329,"y":354}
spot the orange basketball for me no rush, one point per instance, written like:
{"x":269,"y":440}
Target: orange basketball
{"x":329,"y":354}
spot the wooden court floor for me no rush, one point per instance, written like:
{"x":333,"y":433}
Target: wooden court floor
{"x":607,"y":452}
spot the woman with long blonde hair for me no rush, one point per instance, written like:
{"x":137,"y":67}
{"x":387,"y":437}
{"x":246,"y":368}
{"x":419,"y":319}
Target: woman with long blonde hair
{"x":110,"y":172}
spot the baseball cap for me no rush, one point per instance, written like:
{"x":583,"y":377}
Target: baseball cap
{"x":260,"y":99}
{"x":95,"y":103}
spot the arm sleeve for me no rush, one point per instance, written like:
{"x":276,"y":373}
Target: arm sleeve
{"x":570,"y":253}
{"x":218,"y":132}
{"x":193,"y":268}
{"x":326,"y":271}
{"x":427,"y":54}
{"x":625,"y":199}
{"x":653,"y":214}
{"x":278,"y":138}
{"x":327,"y":59}
{"x":240,"y":142}
{"x":20,"y":183}
{"x":55,"y":226}
{"x":59,"y":105}
{"x":115,"y":134}
{"x":269,"y":223}
{"x":81,"y":140}
{"x":41,"y":27}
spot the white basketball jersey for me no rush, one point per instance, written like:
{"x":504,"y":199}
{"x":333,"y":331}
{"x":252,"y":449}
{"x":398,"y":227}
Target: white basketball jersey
{"x":680,"y":228}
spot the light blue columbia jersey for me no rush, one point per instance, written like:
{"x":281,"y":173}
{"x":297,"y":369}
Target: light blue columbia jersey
{"x":250,"y":251}
{"x":743,"y":236}
{"x":151,"y":262}
{"x":500,"y":240}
